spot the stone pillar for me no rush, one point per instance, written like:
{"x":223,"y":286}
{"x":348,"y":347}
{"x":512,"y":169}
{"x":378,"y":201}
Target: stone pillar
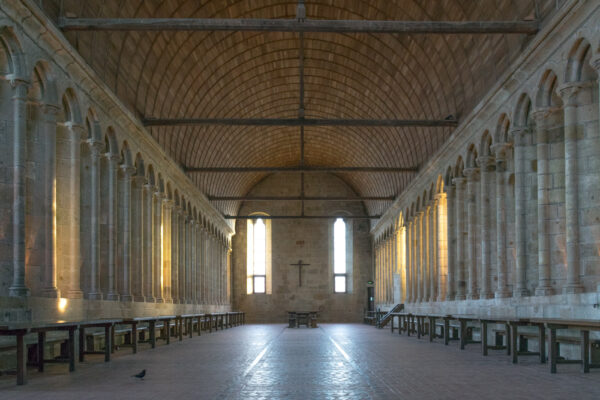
{"x":188,"y":256}
{"x":442,"y":246}
{"x":175,"y":254}
{"x":410,"y":255}
{"x":544,"y":183}
{"x":425,"y":248}
{"x":461,"y":237}
{"x":166,"y":248}
{"x":500,"y":153}
{"x":419,"y":257}
{"x":147,"y":254}
{"x":394,"y":263}
{"x":182,"y":259}
{"x":192,"y":261}
{"x":157,"y":246}
{"x":433,"y":262}
{"x":94,"y":148}
{"x":569,"y":93}
{"x":203,"y":265}
{"x":49,"y":198}
{"x":472,"y":175}
{"x":451,"y":245}
{"x":125,"y":231}
{"x":111,"y":196}
{"x":68,"y":192}
{"x":595,"y":62}
{"x":18,"y":287}
{"x":137,"y":235}
{"x":486,"y":165}
{"x":199,"y":262}
{"x":521,"y":186}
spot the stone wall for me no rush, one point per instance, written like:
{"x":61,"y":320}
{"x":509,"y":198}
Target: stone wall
{"x":92,"y":210}
{"x":513,"y":197}
{"x":309,"y":240}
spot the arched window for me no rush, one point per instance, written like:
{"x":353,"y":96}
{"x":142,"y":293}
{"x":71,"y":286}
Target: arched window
{"x":257,"y":260}
{"x":340,"y":270}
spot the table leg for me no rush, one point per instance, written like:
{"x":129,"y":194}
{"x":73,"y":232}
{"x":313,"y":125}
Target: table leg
{"x":542,"y":343}
{"x":513,"y":344}
{"x":107,"y":345}
{"x":134,"y":337}
{"x":508,"y":341}
{"x":112,"y":339}
{"x":431,"y":328}
{"x":484,"y":338}
{"x":419,"y":330}
{"x":21,"y":359}
{"x":81,"y":343}
{"x":446,"y":331}
{"x":463,"y":334}
{"x":71,"y":349}
{"x":191,"y":326}
{"x":585,"y":354}
{"x":553,"y":351}
{"x":168,"y":330}
{"x":152,"y":328}
{"x":41,"y":345}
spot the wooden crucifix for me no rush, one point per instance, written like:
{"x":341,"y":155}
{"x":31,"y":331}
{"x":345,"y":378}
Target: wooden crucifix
{"x":299,"y":264}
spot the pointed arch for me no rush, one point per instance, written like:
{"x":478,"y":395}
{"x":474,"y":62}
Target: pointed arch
{"x":547,"y":95}
{"x":578,"y":63}
{"x":126,"y":158}
{"x":502,"y":127}
{"x":71,"y":111}
{"x":485,"y":144}
{"x":12,"y":60}
{"x":471,"y":156}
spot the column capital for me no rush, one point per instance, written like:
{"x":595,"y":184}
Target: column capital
{"x":438,"y":196}
{"x":486,"y":163}
{"x":569,"y":91}
{"x":127,"y":170}
{"x":459,"y":181}
{"x":139,"y":179}
{"x":50,"y":109}
{"x":471,"y":173}
{"x":168,"y":203}
{"x":158,"y":195}
{"x":149,"y":187}
{"x":541,"y":114}
{"x":500,"y":150}
{"x":518,"y":134}
{"x":112,"y":158}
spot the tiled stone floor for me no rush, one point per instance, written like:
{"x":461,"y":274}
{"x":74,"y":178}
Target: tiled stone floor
{"x":332,"y":362}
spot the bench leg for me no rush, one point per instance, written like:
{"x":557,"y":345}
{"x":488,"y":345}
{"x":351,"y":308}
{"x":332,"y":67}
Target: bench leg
{"x":71,"y":350}
{"x":431,"y":329}
{"x":484,"y":338}
{"x":168,"y":330}
{"x":81,"y":344}
{"x":508,"y":341}
{"x":134,"y":338}
{"x":41,"y":345}
{"x":463,"y":334}
{"x":112,"y":339}
{"x":542,"y":344}
{"x":585,"y":354}
{"x":446,"y":331}
{"x":152,"y":334}
{"x":553,"y":351}
{"x":22,"y":360}
{"x":513,"y":345}
{"x":107,"y":344}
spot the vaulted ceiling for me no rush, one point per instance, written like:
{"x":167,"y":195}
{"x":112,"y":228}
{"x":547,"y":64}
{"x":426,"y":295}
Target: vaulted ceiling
{"x":256,"y":74}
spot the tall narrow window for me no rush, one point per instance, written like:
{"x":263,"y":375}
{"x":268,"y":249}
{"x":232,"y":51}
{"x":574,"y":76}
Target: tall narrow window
{"x":339,"y":256}
{"x":256,"y":257}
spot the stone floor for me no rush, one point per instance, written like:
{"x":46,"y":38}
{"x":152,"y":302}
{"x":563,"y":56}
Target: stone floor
{"x":332,"y":362}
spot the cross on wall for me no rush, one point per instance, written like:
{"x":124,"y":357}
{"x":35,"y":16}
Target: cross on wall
{"x":299,"y":264}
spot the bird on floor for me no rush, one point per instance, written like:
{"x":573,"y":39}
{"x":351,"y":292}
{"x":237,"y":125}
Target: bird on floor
{"x":141,"y":375}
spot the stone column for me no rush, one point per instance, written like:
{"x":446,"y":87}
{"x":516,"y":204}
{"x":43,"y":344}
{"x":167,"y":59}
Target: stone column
{"x":394,"y":262}
{"x":157,"y":246}
{"x":433,"y":264}
{"x":125,"y":233}
{"x":461,"y":237}
{"x":193,"y":261}
{"x":49,"y":197}
{"x":202,"y":247}
{"x":450,"y":244}
{"x":409,"y":262}
{"x":199,"y":262}
{"x":175,"y":254}
{"x":425,"y":261}
{"x":94,"y":148}
{"x":111,"y":196}
{"x":137,"y":234}
{"x":442,"y":232}
{"x":486,"y":165}
{"x":68,"y":192}
{"x":569,"y":93}
{"x":166,"y":248}
{"x":18,"y":287}
{"x":521,"y":186}
{"x":188,"y":257}
{"x":500,"y":153}
{"x":544,"y":183}
{"x":472,"y":175}
{"x":147,"y":253}
{"x":182,"y":259}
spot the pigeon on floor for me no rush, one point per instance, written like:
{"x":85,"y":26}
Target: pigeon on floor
{"x":141,"y":375}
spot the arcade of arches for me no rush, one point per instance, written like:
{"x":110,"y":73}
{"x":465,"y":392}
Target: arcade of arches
{"x":493,"y":209}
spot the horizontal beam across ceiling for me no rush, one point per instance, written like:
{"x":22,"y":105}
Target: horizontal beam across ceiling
{"x":299,"y":122}
{"x":302,"y":216}
{"x":300,"y":169}
{"x":300,"y":198}
{"x":295,"y":25}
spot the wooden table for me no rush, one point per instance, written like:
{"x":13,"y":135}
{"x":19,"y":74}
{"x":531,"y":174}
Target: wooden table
{"x":19,"y":330}
{"x":584,"y":326}
{"x":308,"y":318}
{"x":108,"y":325}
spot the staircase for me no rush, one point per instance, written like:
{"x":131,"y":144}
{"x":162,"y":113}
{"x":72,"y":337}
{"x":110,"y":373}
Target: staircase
{"x":383,"y":321}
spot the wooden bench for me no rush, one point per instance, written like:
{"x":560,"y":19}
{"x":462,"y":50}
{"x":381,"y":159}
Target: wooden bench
{"x":584,"y":327}
{"x":512,"y":332}
{"x":108,"y":326}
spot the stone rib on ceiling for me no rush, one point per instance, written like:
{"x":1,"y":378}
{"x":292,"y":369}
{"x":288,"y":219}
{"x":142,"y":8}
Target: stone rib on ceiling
{"x":251,"y":75}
